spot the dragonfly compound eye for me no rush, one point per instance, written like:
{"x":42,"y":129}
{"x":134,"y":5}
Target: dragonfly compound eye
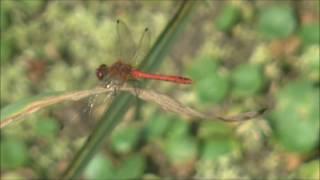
{"x":101,"y":71}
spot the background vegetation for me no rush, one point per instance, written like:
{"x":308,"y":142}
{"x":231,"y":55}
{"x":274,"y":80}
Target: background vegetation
{"x":242,"y":55}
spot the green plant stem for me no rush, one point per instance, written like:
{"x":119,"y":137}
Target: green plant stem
{"x":120,"y":105}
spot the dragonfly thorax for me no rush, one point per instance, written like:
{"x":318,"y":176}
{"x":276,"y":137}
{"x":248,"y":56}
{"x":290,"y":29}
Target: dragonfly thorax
{"x":118,"y":70}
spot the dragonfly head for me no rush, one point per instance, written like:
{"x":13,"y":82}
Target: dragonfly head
{"x":102,"y":71}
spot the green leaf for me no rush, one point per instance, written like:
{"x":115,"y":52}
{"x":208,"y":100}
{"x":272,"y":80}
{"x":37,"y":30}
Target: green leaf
{"x":178,"y":128}
{"x":14,"y":153}
{"x":310,"y":34}
{"x":47,"y":127}
{"x":181,"y":150}
{"x":310,"y":64}
{"x":208,"y":130}
{"x":309,"y":170}
{"x":157,"y":127}
{"x":203,"y":67}
{"x":228,"y":18}
{"x":216,"y":147}
{"x":212,"y":89}
{"x":124,"y":140}
{"x":247,"y":80}
{"x":277,"y":21}
{"x":295,"y":119}
{"x":132,"y":167}
{"x":100,"y":167}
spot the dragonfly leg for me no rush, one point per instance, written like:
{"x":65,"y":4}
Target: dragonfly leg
{"x":116,"y":85}
{"x":107,"y":83}
{"x":115,"y":91}
{"x":136,"y":87}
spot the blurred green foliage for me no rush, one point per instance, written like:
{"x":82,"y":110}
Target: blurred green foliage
{"x":47,"y":128}
{"x":156,"y":127}
{"x":99,"y":167}
{"x":310,"y":170}
{"x":131,"y":167}
{"x":229,"y":16}
{"x":14,"y":153}
{"x":311,"y":63}
{"x":209,"y":130}
{"x":296,"y":117}
{"x":125,"y":140}
{"x":247,"y":80}
{"x":181,"y":150}
{"x":211,"y":85}
{"x":217,"y":140}
{"x":216,"y":148}
{"x":178,"y":128}
{"x":56,"y":46}
{"x":309,"y":33}
{"x":277,"y":21}
{"x":7,"y":49}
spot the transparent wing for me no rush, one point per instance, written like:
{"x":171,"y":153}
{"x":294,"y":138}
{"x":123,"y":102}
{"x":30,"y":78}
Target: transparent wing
{"x":126,"y":47}
{"x":143,"y":47}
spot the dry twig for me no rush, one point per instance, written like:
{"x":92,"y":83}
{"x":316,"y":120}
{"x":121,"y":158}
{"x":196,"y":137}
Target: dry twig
{"x":165,"y":102}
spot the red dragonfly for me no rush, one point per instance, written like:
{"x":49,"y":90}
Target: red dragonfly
{"x":122,"y":71}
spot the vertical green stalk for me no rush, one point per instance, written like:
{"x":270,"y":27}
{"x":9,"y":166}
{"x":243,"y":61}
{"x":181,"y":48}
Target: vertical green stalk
{"x":121,"y":104}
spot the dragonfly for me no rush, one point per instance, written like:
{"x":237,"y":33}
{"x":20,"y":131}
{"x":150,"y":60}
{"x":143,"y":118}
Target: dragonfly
{"x":128,"y":54}
{"x":123,"y":69}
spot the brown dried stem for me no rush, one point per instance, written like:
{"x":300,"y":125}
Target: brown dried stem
{"x":165,"y":102}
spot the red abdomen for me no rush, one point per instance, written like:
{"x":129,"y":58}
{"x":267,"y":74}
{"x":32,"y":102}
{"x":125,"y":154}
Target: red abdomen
{"x":175,"y":79}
